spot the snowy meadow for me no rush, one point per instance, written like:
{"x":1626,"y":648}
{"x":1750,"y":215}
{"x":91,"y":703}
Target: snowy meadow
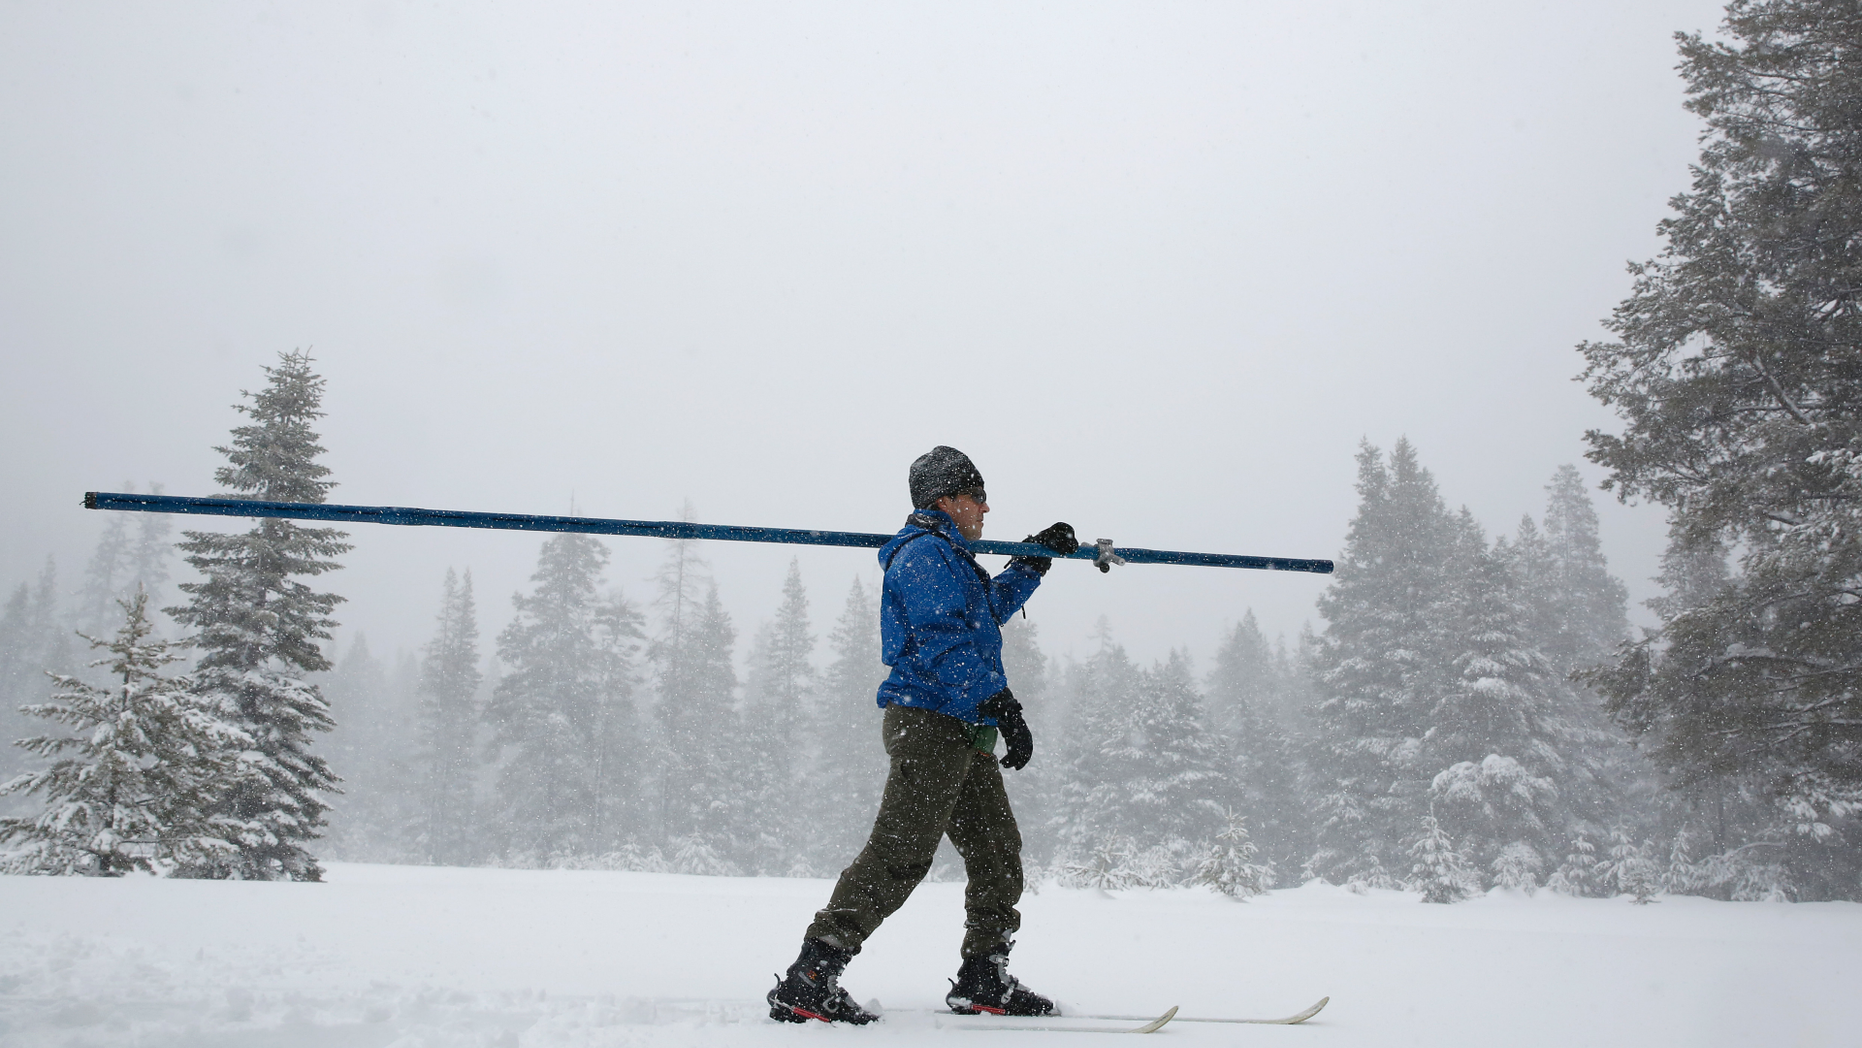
{"x":424,"y":957}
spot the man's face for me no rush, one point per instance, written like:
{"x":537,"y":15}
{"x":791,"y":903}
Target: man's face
{"x":967,"y":511}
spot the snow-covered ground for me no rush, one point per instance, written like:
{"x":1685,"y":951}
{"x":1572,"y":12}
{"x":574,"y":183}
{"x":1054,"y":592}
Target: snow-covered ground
{"x":384,"y":955}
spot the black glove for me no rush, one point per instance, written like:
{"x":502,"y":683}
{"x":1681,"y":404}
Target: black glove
{"x":1008,"y":717}
{"x":1058,"y":537}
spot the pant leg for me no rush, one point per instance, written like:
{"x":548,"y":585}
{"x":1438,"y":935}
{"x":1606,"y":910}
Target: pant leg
{"x":930,"y":763}
{"x":982,"y":827}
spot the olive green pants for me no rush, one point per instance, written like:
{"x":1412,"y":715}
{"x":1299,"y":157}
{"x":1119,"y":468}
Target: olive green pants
{"x":939,"y":784}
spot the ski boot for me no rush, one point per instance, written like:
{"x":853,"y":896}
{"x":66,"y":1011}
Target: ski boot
{"x":984,"y":984}
{"x":811,"y":989}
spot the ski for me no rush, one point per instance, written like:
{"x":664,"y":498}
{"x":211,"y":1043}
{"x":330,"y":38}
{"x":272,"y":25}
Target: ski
{"x":1297,"y":1017}
{"x":1003,"y":1023}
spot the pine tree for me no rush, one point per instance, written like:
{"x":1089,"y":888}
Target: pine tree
{"x":31,"y":643}
{"x":139,"y":788}
{"x":1089,"y":803}
{"x":1227,"y":863}
{"x":1384,"y":660}
{"x":258,"y":627}
{"x":1141,"y":771}
{"x":121,"y":563}
{"x":103,"y":575}
{"x":448,"y":719}
{"x":1587,"y":607}
{"x":1245,"y":690}
{"x":845,"y":792}
{"x":1736,"y":373}
{"x":372,"y":702}
{"x":1496,"y":732}
{"x":565,"y":711}
{"x":1440,"y":871}
{"x":1176,"y":787}
{"x":695,"y":683}
{"x":778,"y":711}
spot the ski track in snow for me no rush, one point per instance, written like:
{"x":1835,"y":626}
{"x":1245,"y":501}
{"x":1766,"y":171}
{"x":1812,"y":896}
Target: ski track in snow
{"x":420,"y":956}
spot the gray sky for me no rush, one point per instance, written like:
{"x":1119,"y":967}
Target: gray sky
{"x":1157,"y":267}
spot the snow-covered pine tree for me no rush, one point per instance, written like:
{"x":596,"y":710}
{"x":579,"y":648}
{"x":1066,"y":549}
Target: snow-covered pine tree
{"x":1496,"y":735}
{"x":564,"y":713}
{"x":1244,"y":698}
{"x":845,"y":790}
{"x":1631,"y":868}
{"x":1227,"y":863}
{"x":1439,"y":870}
{"x":778,"y":712}
{"x":134,"y":786}
{"x":695,"y":681}
{"x":372,"y":702}
{"x":1034,"y":789}
{"x":1587,"y":612}
{"x":257,"y":627}
{"x":1736,"y":373}
{"x":123,"y":561}
{"x":32,"y":642}
{"x":1089,"y":803}
{"x":1177,"y":787}
{"x":448,"y":727}
{"x":102,"y":585}
{"x":1381,"y":665}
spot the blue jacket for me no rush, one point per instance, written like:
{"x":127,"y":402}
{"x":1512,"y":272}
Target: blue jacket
{"x":940,"y":618}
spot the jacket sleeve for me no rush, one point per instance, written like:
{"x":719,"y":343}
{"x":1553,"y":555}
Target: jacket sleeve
{"x":1010,"y":589}
{"x":938,"y":613}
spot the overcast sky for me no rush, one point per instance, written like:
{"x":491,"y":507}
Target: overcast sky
{"x":1158,"y":267}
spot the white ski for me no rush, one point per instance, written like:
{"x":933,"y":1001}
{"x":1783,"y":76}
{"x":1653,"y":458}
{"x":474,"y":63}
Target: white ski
{"x":1000,"y":1024}
{"x":1290,"y":1020}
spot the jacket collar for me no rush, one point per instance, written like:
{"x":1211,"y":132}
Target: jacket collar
{"x":938,"y":523}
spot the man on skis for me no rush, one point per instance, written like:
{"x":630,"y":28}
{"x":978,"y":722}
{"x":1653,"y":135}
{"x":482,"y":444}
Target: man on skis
{"x":945,"y":702}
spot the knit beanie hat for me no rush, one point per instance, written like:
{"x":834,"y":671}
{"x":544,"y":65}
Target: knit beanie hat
{"x":939,"y":472}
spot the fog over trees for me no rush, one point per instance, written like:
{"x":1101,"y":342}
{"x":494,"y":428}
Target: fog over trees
{"x":1438,"y":733}
{"x":1471,"y":711}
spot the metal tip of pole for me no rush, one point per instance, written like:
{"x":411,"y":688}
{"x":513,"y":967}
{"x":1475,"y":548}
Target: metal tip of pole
{"x":90,"y":500}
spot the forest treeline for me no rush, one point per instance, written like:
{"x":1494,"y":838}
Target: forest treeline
{"x":1437,"y":734}
{"x":1474,"y":713}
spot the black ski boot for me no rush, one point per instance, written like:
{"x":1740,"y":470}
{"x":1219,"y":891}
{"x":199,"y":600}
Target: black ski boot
{"x":812,"y":990}
{"x":984,"y":984}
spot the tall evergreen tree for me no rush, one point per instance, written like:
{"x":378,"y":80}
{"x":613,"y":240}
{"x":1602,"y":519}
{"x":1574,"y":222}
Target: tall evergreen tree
{"x":844,"y":793}
{"x":1245,"y":696}
{"x":1383,"y":662}
{"x":103,"y":574}
{"x":1497,"y":745}
{"x":565,"y":712}
{"x":1177,"y":789}
{"x":31,"y":643}
{"x":1089,"y":803}
{"x":138,"y":790}
{"x":779,"y":711}
{"x":372,"y":703}
{"x":1588,"y":608}
{"x":122,"y":563}
{"x":1736,"y":372}
{"x":695,"y":682}
{"x":448,"y":719}
{"x":257,"y":626}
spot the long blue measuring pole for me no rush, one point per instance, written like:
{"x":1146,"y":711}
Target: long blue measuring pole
{"x":659,"y":529}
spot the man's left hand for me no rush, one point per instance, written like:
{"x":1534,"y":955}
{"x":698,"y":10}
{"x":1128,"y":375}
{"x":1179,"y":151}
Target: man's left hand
{"x":1058,"y":537}
{"x":1007,"y":713}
